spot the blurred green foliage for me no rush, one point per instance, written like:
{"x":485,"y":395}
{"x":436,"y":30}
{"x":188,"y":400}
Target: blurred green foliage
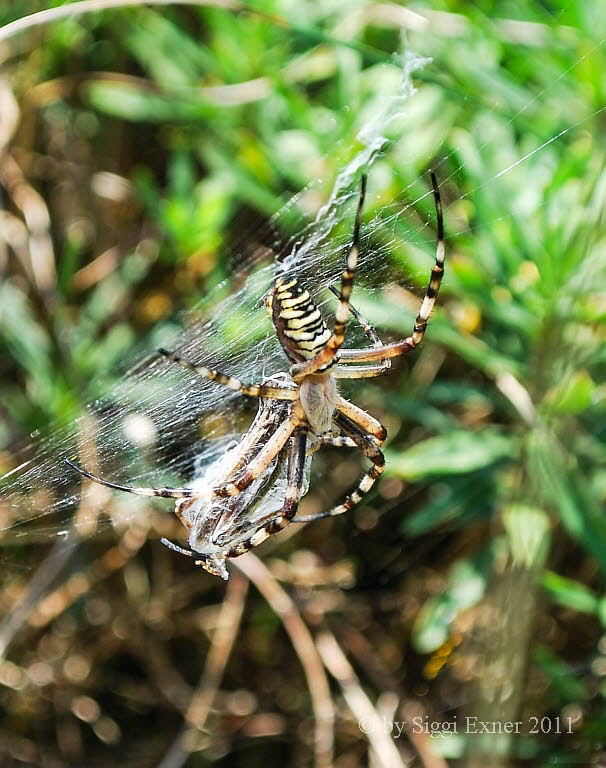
{"x":149,"y":132}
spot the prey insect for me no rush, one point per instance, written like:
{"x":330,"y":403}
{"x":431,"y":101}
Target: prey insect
{"x":254,"y":489}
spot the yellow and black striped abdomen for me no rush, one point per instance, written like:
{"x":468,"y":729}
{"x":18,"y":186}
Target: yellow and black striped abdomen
{"x":300,"y":326}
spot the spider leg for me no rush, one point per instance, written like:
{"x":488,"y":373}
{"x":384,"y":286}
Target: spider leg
{"x":362,"y":419}
{"x":334,"y":343}
{"x":296,"y":469}
{"x":263,"y":458}
{"x":420,"y":326}
{"x":253,"y":390}
{"x":270,"y":415}
{"x":437,"y":271}
{"x":359,"y":372}
{"x":345,"y":442}
{"x":338,"y":442}
{"x":234,"y":521}
{"x":368,"y":329}
{"x":165,"y":493}
{"x":370,"y":449}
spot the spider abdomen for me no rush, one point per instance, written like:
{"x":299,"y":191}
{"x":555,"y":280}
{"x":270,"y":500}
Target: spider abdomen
{"x":300,"y":326}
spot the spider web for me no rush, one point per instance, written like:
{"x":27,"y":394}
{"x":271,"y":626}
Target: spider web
{"x":160,"y":425}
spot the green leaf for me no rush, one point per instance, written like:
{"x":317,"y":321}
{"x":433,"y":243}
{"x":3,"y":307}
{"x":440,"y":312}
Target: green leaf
{"x":573,"y":394}
{"x":467,"y":582}
{"x":602,"y":610}
{"x":563,"y":486}
{"x":562,"y":678}
{"x":569,"y":593}
{"x":452,"y":453}
{"x":139,"y":104}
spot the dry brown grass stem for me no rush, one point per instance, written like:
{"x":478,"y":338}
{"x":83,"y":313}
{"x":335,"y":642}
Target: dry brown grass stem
{"x":422,"y":742}
{"x":304,"y":646}
{"x":370,"y":721}
{"x":38,"y":608}
{"x":41,"y":266}
{"x":91,"y":6}
{"x":224,"y":637}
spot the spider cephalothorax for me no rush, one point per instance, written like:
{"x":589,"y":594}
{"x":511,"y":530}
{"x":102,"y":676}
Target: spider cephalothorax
{"x":253,"y":490}
{"x":303,"y":334}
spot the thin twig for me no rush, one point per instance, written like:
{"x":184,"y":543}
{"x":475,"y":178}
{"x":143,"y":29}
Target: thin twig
{"x":37,"y":605}
{"x":370,"y":721}
{"x":223,"y":639}
{"x":90,"y":6}
{"x":304,"y":646}
{"x":37,"y":218}
{"x":81,"y":582}
{"x":421,"y":740}
{"x":9,"y":114}
{"x":37,"y":586}
{"x":361,"y":648}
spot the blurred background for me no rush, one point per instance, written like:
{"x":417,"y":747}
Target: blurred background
{"x":136,"y":146}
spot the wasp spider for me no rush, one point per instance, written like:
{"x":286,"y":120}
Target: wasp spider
{"x":253,"y":490}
